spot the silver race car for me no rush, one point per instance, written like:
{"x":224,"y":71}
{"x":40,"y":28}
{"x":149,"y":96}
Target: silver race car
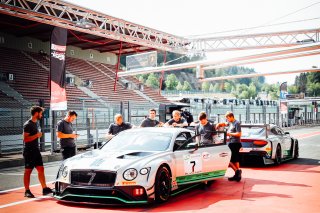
{"x":267,"y":142}
{"x":142,"y":165}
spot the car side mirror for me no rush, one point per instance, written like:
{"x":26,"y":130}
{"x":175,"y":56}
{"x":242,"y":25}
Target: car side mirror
{"x":193,"y":146}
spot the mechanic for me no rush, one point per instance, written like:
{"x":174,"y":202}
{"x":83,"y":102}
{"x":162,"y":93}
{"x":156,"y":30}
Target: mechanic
{"x":234,"y":133}
{"x":118,"y":126}
{"x":205,"y":130}
{"x":176,"y":120}
{"x":151,"y":120}
{"x":187,"y":115}
{"x":31,"y":153}
{"x":66,"y":135}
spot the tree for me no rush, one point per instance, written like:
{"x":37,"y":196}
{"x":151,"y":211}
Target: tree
{"x":152,"y":81}
{"x":293,"y":89}
{"x":228,"y":87}
{"x":205,"y":86}
{"x":216,"y":88}
{"x":252,"y":90}
{"x":141,"y":79}
{"x":313,"y":89}
{"x":171,"y":82}
{"x":186,"y":86}
{"x":179,"y":86}
{"x":211,"y":88}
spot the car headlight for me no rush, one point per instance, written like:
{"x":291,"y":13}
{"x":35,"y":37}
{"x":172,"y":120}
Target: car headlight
{"x":130,"y":174}
{"x":64,"y":172}
{"x":144,"y":171}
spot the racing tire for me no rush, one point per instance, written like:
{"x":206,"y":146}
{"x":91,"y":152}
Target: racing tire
{"x":162,"y":185}
{"x":296,"y":149}
{"x":278,"y":159}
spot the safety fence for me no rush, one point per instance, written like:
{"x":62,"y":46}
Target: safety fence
{"x":92,"y":123}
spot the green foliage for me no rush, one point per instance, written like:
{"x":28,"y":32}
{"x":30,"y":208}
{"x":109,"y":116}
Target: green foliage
{"x":216,"y":88}
{"x":152,"y":81}
{"x":308,"y":83}
{"x":211,"y":88}
{"x":141,"y":79}
{"x":205,"y":86}
{"x":228,"y":87}
{"x":171,"y":82}
{"x":186,"y":86}
{"x":313,"y":89}
{"x":293,"y":89}
{"x":179,"y":86}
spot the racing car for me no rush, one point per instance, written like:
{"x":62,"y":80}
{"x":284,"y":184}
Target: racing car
{"x":139,"y":166}
{"x":268,"y":143}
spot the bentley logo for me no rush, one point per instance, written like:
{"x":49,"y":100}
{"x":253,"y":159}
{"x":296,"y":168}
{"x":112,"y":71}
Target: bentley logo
{"x":93,"y":174}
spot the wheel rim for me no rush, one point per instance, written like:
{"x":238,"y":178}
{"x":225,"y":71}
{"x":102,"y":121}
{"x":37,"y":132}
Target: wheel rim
{"x":164,"y":186}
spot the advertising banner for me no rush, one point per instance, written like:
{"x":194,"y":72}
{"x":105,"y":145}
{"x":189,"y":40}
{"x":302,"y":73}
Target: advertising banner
{"x":58,"y":100}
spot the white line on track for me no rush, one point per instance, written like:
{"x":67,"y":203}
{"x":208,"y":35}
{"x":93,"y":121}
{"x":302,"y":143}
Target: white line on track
{"x":18,"y":188}
{"x":24,"y":201}
{"x":21,"y":174}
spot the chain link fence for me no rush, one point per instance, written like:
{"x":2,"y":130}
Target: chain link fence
{"x":92,"y":123}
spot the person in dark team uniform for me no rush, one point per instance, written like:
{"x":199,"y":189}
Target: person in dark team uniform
{"x":151,"y":120}
{"x":205,"y":130}
{"x":66,"y":135}
{"x":118,"y":125}
{"x":234,"y":133}
{"x":31,"y":153}
{"x":176,"y":120}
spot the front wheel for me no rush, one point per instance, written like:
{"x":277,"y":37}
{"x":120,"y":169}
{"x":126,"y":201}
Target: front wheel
{"x":278,"y":158}
{"x":296,"y":149}
{"x":162,"y":185}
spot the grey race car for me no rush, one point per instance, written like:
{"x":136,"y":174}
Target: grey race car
{"x":138,"y":166}
{"x":267,"y":142}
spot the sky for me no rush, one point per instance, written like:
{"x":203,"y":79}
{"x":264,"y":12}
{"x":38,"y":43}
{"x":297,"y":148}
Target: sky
{"x":208,"y":18}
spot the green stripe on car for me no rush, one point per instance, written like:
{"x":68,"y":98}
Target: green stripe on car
{"x":202,"y":176}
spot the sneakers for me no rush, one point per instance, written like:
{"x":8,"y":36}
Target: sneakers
{"x":28,"y":194}
{"x":237,"y":176}
{"x":46,"y":191}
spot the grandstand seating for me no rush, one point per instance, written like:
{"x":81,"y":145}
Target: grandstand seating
{"x":8,"y":102}
{"x":31,"y":80}
{"x":153,"y":94}
{"x":102,"y":84}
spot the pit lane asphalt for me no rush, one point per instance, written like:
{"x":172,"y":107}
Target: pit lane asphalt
{"x":291,"y":187}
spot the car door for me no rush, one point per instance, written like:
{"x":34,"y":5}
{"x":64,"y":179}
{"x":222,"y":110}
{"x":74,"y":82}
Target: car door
{"x":195,"y":162}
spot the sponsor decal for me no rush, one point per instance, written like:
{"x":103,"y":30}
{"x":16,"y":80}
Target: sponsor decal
{"x":206,"y":156}
{"x":128,"y":183}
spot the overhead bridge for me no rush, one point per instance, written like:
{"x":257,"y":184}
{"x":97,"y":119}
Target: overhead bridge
{"x":73,"y":17}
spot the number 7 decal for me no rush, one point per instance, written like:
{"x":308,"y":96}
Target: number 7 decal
{"x":194,"y":164}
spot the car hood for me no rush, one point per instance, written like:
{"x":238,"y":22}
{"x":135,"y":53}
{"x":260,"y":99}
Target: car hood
{"x":107,"y":160}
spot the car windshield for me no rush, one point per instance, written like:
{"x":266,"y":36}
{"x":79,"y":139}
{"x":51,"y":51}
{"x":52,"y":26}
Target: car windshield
{"x":250,"y":132}
{"x":145,"y":141}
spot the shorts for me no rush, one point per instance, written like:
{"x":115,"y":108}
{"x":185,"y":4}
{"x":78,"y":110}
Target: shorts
{"x":68,"y":152}
{"x":235,"y":148}
{"x":32,"y":158}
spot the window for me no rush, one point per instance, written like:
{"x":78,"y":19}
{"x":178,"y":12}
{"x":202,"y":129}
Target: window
{"x":184,"y":141}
